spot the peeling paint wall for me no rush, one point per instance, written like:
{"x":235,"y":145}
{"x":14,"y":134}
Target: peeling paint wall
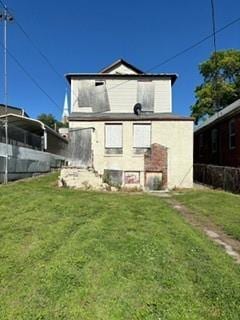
{"x":176,"y":136}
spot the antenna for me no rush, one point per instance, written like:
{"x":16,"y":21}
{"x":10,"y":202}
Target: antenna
{"x":5,"y":17}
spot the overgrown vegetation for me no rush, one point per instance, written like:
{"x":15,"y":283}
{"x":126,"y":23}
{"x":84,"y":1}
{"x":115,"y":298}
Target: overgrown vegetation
{"x":68,"y":254}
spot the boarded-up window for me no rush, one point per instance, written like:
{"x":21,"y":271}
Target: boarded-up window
{"x":145,"y":95}
{"x":131,"y":177}
{"x":113,"y":136}
{"x":141,"y":135}
{"x":93,"y":94}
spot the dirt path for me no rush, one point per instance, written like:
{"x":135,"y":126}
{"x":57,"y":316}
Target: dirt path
{"x":230,"y":245}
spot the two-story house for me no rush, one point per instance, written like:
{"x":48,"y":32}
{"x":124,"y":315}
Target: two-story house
{"x":122,"y":124}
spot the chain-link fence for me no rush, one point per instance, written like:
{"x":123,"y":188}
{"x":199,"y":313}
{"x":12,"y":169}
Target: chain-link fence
{"x":20,"y":137}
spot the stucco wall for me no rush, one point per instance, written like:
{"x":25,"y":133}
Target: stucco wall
{"x":177,"y":136}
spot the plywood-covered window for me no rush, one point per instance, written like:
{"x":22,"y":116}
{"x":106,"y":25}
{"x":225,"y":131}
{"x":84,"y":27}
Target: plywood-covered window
{"x":113,"y":138}
{"x":145,"y":95}
{"x":141,"y":137}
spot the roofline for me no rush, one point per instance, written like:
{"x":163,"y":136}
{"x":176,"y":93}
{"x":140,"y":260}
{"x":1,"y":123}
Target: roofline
{"x":43,"y":126}
{"x":25,"y":118}
{"x":131,"y":117}
{"x":172,"y":76}
{"x":226,"y":112}
{"x":16,"y":108}
{"x":119,"y":61}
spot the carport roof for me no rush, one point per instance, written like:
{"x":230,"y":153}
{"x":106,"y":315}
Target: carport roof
{"x":30,"y":125}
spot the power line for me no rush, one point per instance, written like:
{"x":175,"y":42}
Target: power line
{"x":39,"y":51}
{"x":178,"y":54}
{"x":36,"y":47}
{"x":189,"y":48}
{"x":213,"y":26}
{"x":31,"y":77}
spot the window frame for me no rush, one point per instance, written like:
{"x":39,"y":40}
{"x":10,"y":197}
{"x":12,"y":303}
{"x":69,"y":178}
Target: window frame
{"x":113,"y":150}
{"x":141,"y":150}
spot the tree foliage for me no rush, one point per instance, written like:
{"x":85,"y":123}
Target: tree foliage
{"x":50,"y":121}
{"x":221,"y":83}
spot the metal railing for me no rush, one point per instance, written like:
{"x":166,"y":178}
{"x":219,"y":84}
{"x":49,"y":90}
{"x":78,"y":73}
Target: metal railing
{"x":21,"y":137}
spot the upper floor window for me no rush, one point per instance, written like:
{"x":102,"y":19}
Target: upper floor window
{"x":232,"y":134}
{"x":113,"y":138}
{"x":99,"y":83}
{"x":214,"y":140}
{"x":141,"y":137}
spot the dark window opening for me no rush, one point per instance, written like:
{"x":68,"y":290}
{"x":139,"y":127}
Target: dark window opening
{"x":99,"y":83}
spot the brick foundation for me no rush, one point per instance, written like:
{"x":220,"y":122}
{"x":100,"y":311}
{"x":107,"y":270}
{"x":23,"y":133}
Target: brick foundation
{"x":155,"y":160}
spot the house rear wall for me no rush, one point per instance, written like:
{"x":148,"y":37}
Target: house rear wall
{"x":122,"y":95}
{"x":177,"y":136}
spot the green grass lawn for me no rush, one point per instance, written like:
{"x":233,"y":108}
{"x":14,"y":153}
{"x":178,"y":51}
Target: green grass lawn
{"x":68,"y":254}
{"x":221,"y":208}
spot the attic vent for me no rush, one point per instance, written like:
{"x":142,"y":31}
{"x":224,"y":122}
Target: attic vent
{"x":99,"y":83}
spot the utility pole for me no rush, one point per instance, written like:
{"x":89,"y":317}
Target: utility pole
{"x":5,"y":17}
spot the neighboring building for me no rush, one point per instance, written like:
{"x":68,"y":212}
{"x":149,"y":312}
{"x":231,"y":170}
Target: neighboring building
{"x":217,"y":140}
{"x":13,"y":110}
{"x":32,"y":134}
{"x":33,"y":148}
{"x":121,"y":124}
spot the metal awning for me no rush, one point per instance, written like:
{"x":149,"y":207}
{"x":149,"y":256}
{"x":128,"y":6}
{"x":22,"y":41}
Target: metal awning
{"x":28,"y":124}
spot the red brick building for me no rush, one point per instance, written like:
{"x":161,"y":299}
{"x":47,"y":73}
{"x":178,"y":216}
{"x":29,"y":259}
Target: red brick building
{"x":217,"y":140}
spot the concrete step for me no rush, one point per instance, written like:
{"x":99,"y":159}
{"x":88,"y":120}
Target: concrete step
{"x":81,"y":178}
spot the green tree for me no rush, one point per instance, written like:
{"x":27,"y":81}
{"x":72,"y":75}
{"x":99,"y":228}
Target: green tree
{"x":50,"y":121}
{"x":221,"y":83}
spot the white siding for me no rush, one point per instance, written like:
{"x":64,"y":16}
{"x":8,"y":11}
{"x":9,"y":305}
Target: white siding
{"x":122,"y":95}
{"x":122,"y":70}
{"x":163,"y":96}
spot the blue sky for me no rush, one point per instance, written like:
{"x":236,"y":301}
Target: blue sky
{"x":84,"y":36}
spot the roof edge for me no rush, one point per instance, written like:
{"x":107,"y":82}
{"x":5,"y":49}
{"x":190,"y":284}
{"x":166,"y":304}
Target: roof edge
{"x":226,"y":112}
{"x":172,"y":76}
{"x":118,"y":62}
